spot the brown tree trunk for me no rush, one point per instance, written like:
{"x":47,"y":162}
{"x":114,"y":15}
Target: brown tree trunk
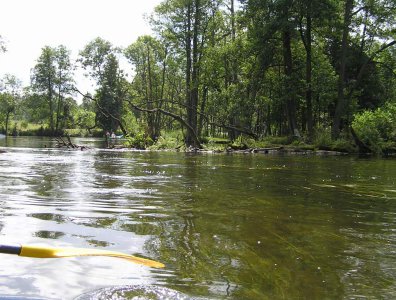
{"x":58,"y":109}
{"x":51,"y":108}
{"x":342,"y":104}
{"x":192,"y":117}
{"x":288,"y":70}
{"x":233,"y":36}
{"x":203,"y":103}
{"x":189,"y":137}
{"x":308,"y":78}
{"x":6,"y":122}
{"x":150,"y":117}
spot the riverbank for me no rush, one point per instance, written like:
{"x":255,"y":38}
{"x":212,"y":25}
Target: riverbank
{"x":322,"y":144}
{"x":267,"y":145}
{"x":339,"y":148}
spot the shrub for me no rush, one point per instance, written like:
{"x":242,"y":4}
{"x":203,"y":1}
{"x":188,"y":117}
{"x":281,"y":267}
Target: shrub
{"x":163,"y":143}
{"x":376,"y":128}
{"x":322,"y":138}
{"x":343,"y":145}
{"x":139,"y":140}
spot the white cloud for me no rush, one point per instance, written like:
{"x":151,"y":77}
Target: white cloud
{"x":29,"y":25}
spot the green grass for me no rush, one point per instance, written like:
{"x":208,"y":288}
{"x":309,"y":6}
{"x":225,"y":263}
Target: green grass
{"x":22,"y":128}
{"x":169,"y":141}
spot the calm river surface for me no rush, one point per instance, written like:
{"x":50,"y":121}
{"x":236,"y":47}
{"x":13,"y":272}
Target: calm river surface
{"x":226,"y":226}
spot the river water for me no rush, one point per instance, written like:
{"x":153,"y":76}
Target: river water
{"x":226,"y":226}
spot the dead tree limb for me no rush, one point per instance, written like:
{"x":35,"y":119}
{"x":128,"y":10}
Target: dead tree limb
{"x":104,"y":111}
{"x":170,"y":114}
{"x":61,"y":143}
{"x":176,"y":117}
{"x":220,"y":125}
{"x":366,"y":63}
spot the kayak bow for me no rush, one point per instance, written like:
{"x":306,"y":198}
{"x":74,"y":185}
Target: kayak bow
{"x":59,"y":252}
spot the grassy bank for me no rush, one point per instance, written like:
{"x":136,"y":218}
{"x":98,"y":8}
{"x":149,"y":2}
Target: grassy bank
{"x":322,"y":141}
{"x":33,"y":129}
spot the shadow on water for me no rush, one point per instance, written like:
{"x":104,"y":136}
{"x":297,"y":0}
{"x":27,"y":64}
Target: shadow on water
{"x":226,"y":226}
{"x":270,"y":231}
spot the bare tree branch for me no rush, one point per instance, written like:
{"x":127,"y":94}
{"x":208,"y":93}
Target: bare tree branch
{"x":208,"y":117}
{"x":365,"y":64}
{"x":170,"y":114}
{"x":103,"y":111}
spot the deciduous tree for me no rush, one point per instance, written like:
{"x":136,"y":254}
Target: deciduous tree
{"x":10,"y":87}
{"x":52,"y":78}
{"x":99,"y":59}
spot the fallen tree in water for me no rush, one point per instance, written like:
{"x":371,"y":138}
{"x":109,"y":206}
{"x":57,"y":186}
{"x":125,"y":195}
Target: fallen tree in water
{"x":61,"y":143}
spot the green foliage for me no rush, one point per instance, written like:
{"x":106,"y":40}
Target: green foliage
{"x":85,"y":118}
{"x":9,"y":98}
{"x":270,"y":68}
{"x":239,"y":143}
{"x":100,"y":60}
{"x":94,"y":56}
{"x":78,"y":132}
{"x":87,"y":103}
{"x":344,"y":144}
{"x":7,"y":103}
{"x":377,"y":129}
{"x":323,"y":141}
{"x":110,"y":95}
{"x":139,"y":140}
{"x":165,"y":143}
{"x":52,"y":80}
{"x":149,"y":58}
{"x":169,"y":140}
{"x":30,"y":129}
{"x":322,"y":138}
{"x":34,"y":108}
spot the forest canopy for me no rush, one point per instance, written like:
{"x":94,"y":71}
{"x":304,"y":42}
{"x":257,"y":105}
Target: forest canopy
{"x":305,"y":69}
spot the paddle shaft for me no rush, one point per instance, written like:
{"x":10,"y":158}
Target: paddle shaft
{"x":11,"y":249}
{"x":53,"y":252}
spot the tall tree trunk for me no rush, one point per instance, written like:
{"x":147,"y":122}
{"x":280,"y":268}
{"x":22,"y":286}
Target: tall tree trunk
{"x":269,"y":130}
{"x":58,"y":109}
{"x":158,"y":116}
{"x":194,"y":66}
{"x":195,"y":70}
{"x":290,"y":94}
{"x":233,"y":36}
{"x":189,"y":136}
{"x":6,"y":122}
{"x":342,"y":104}
{"x":150,"y":117}
{"x":51,"y":108}
{"x":308,"y":78}
{"x":203,"y":104}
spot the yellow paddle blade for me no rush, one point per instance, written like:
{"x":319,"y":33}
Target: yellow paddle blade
{"x":52,"y":252}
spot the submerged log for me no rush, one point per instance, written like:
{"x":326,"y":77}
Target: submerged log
{"x":267,"y":150}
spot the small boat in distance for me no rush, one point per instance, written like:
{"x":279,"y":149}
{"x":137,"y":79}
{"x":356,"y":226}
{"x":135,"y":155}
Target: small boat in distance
{"x":116,"y":136}
{"x":113,"y":136}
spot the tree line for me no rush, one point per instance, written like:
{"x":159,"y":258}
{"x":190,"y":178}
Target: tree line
{"x":256,"y":68}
